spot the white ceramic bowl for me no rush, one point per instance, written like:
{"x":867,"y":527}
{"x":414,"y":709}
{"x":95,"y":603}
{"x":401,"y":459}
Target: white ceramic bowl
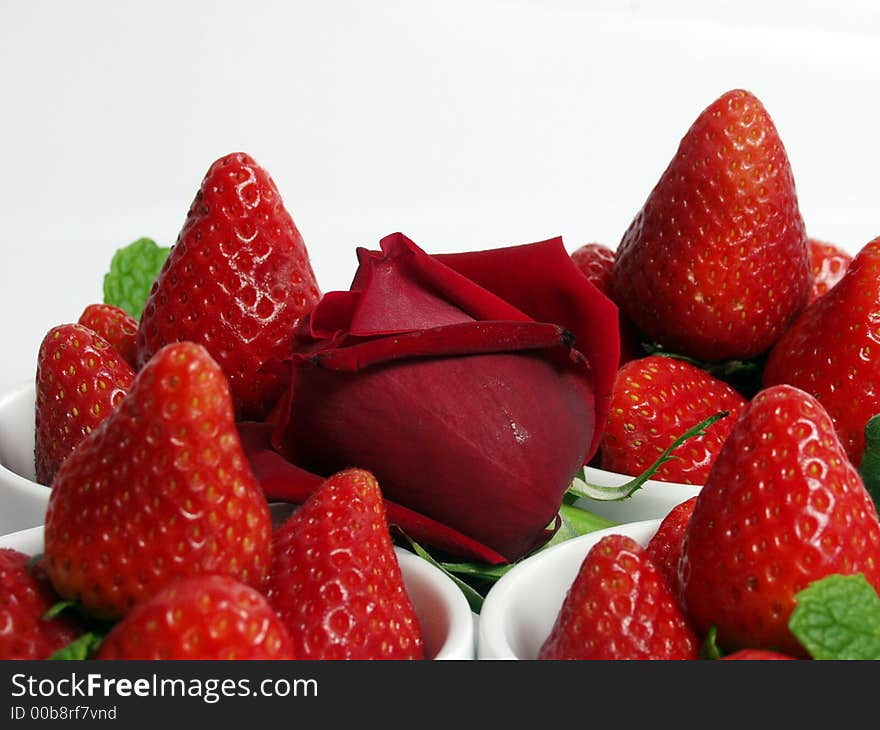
{"x":444,"y":614}
{"x":521,"y":608}
{"x":22,"y":501}
{"x":652,"y":501}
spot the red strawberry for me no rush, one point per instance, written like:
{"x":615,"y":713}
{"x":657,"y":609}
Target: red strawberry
{"x":595,"y":262}
{"x":715,"y":265}
{"x":664,"y":548}
{"x":828,"y":264}
{"x":202,"y":617}
{"x":237,"y":281}
{"x":25,"y":595}
{"x":756,"y":655}
{"x":619,"y":608}
{"x":782,"y":507}
{"x":116,"y":326}
{"x":654,"y":401}
{"x":80,"y":381}
{"x":335,"y":580}
{"x":833,"y":351}
{"x":161,"y":489}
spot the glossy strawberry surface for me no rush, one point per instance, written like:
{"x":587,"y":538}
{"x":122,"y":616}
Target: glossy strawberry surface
{"x":782,"y":507}
{"x":335,"y":580}
{"x":202,"y":617}
{"x":237,"y":281}
{"x":664,"y":547}
{"x":715,"y":264}
{"x":160,"y":490}
{"x":116,"y":326}
{"x":80,"y":380}
{"x":619,"y":607}
{"x":833,"y":350}
{"x":654,"y":401}
{"x":25,"y":596}
{"x":828,"y":263}
{"x":595,"y":260}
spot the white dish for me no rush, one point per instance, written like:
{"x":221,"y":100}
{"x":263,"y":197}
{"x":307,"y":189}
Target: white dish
{"x":652,"y":501}
{"x":444,"y":615}
{"x":520,"y":609}
{"x":22,"y":500}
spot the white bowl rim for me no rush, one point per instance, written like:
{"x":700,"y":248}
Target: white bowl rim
{"x":15,"y":480}
{"x":459,"y":643}
{"x":623,"y":478}
{"x":492,"y":639}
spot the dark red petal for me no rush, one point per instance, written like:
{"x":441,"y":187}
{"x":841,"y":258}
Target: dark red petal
{"x":285,"y":482}
{"x":469,"y":338}
{"x":543,"y":282}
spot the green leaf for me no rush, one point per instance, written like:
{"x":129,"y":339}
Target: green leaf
{"x":474,"y":599}
{"x":709,"y":649}
{"x":581,"y":488}
{"x":57,"y":608}
{"x":132,"y":272}
{"x":83,"y":647}
{"x":869,"y":469}
{"x":838,"y":617}
{"x":581,"y":521}
{"x":575,"y":522}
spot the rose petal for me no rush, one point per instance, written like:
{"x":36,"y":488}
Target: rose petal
{"x":543,"y":281}
{"x":282,"y":481}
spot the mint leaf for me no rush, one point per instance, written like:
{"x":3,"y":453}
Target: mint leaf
{"x":83,"y":647}
{"x":132,"y":272}
{"x":838,"y":617}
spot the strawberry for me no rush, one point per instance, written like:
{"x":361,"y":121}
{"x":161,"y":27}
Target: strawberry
{"x":655,"y":400}
{"x":756,"y":655}
{"x":80,"y":380}
{"x":828,"y":264}
{"x":116,"y":326}
{"x":25,"y":596}
{"x":619,"y":607}
{"x":782,"y":507}
{"x":160,"y":489}
{"x":200,"y":617}
{"x":237,"y":281}
{"x":335,"y":579}
{"x":832,"y":351}
{"x":595,"y":262}
{"x":664,"y":548}
{"x":715,"y":265}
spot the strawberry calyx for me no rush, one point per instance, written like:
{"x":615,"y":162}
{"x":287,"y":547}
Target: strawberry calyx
{"x":742,"y":375}
{"x":81,"y":648}
{"x":580,"y":488}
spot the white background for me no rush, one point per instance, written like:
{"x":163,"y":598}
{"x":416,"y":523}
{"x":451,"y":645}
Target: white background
{"x":463,"y":124}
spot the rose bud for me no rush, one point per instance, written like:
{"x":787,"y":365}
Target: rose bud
{"x":472,"y":385}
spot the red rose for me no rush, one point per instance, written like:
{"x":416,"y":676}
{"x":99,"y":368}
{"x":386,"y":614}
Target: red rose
{"x":472,"y":385}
